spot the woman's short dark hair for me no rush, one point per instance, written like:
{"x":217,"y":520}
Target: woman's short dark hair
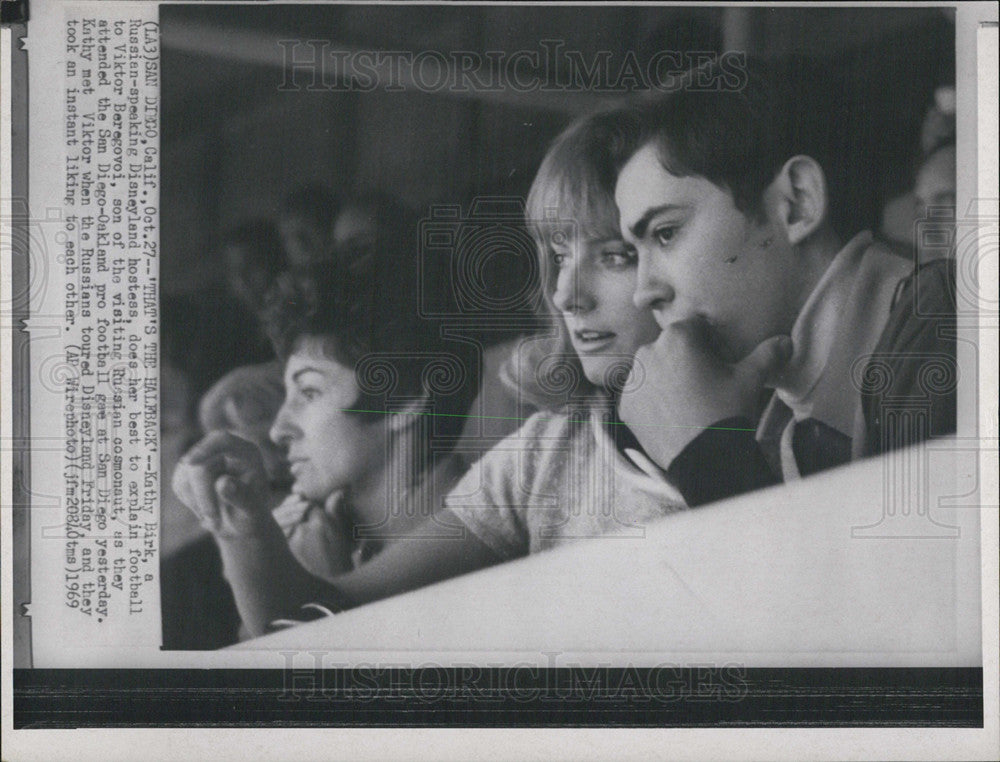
{"x":356,"y":312}
{"x":363,"y":306}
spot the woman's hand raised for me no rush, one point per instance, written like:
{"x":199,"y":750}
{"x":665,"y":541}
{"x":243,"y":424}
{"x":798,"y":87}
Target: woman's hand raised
{"x":223,"y":481}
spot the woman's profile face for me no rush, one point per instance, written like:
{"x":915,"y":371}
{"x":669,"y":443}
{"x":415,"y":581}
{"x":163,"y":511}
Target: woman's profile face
{"x":329,"y":447}
{"x":594,"y":288}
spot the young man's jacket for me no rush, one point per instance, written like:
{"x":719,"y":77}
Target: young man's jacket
{"x":879,"y":373}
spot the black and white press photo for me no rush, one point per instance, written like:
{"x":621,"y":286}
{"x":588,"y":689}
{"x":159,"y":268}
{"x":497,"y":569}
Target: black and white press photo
{"x":498,"y":365}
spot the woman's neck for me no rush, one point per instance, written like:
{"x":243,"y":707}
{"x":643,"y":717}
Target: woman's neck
{"x":377,"y":500}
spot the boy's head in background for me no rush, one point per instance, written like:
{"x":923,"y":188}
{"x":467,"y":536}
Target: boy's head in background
{"x":306,"y":224}
{"x":936,"y":180}
{"x":254,"y":259}
{"x":725,"y":196}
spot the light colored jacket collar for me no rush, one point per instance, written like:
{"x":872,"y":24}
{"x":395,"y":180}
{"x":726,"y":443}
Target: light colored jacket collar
{"x":834,"y":337}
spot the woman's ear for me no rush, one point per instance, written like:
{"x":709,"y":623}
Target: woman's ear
{"x":801,"y":198}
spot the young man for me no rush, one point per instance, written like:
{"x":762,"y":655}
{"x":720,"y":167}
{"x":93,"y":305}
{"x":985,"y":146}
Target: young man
{"x":732,"y":215}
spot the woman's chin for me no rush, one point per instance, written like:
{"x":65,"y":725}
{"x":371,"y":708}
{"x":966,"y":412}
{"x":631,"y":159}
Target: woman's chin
{"x":594,"y":370}
{"x":608,"y":373}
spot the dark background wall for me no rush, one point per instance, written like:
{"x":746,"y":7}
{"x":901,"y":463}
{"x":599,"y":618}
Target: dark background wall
{"x":234,"y":144}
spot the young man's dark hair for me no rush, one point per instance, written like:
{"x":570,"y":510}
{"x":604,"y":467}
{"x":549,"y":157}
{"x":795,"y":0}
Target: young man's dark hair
{"x":737,"y":128}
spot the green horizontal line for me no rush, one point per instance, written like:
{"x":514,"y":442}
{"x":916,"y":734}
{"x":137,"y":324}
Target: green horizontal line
{"x":516,"y":418}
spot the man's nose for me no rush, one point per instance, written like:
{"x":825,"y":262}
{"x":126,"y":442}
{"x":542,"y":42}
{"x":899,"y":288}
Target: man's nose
{"x":652,"y":285}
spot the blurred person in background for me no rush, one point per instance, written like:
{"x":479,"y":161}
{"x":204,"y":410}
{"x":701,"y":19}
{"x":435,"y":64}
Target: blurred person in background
{"x":918,"y":222}
{"x":305,"y":224}
{"x":245,"y":402}
{"x":213,"y":329}
{"x":254,"y":259}
{"x":935,"y":185}
{"x":197,"y":607}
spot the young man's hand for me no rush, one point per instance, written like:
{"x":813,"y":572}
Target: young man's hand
{"x":222,"y":480}
{"x":679,"y":386}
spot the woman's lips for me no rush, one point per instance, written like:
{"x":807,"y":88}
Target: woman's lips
{"x":587,"y":340}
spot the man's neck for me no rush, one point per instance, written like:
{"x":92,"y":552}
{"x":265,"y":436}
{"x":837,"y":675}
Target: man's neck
{"x":815,"y":255}
{"x":826,"y":289}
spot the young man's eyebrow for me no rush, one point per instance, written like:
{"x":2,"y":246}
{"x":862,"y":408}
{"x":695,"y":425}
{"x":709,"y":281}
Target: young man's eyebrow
{"x":639,"y":228}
